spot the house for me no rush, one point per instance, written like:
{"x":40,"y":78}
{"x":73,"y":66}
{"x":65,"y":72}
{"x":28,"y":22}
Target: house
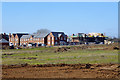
{"x":4,"y":40}
{"x":96,"y":37}
{"x":26,"y":39}
{"x":87,"y":38}
{"x":4,"y":36}
{"x":14,"y":39}
{"x":78,"y":38}
{"x":56,"y":38}
{"x":50,"y":39}
{"x":36,"y":40}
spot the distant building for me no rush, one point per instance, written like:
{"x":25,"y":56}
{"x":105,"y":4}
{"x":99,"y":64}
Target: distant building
{"x":36,"y":40}
{"x":4,"y":36}
{"x":56,"y":38}
{"x":78,"y":38}
{"x":4,"y":40}
{"x":87,"y":38}
{"x":50,"y":39}
{"x":14,"y":39}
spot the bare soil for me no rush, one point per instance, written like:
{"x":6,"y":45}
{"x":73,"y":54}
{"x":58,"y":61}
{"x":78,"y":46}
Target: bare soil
{"x":91,"y":47}
{"x":61,"y":71}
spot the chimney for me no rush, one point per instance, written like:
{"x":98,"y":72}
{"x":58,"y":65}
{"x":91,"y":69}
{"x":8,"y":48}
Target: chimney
{"x":4,"y":36}
{"x":9,"y":34}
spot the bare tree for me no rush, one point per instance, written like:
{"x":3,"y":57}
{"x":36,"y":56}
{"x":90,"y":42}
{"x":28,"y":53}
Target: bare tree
{"x":42,"y":31}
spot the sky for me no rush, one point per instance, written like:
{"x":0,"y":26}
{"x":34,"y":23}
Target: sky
{"x":68,"y":17}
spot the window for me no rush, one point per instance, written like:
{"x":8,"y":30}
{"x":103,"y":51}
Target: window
{"x":55,"y":38}
{"x":48,"y":42}
{"x":61,"y":38}
{"x":64,"y":38}
{"x":48,"y":38}
{"x":52,"y":42}
{"x":55,"y":42}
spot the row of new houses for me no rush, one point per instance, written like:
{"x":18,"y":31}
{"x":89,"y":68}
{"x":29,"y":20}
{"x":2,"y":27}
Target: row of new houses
{"x":53,"y":38}
{"x":50,"y":39}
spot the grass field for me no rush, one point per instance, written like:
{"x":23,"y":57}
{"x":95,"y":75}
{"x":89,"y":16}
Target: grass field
{"x":48,"y":56}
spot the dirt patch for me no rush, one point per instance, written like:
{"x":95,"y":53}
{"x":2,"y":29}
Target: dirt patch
{"x":64,"y":49}
{"x":30,"y":58}
{"x":61,"y":71}
{"x":7,"y":54}
{"x":115,"y":48}
{"x":90,"y":47}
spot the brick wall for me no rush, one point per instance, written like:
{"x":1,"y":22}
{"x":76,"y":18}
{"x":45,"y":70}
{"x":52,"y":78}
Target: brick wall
{"x":52,"y":40}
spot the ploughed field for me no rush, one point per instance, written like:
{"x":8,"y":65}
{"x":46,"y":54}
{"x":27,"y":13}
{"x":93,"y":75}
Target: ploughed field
{"x":83,"y":61}
{"x":62,"y":71}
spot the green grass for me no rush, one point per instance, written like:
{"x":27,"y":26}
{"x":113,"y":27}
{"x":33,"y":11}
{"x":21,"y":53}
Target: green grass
{"x":72,"y":57}
{"x":30,"y":49}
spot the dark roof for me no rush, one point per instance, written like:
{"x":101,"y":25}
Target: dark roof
{"x":58,"y":34}
{"x":20,"y":34}
{"x":2,"y":36}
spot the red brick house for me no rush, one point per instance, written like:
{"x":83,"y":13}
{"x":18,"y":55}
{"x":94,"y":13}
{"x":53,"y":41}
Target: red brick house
{"x":56,"y":38}
{"x":37,"y":40}
{"x":50,"y":39}
{"x":14,"y":38}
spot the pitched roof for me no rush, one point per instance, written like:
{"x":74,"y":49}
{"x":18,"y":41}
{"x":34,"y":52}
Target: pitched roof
{"x":26,"y":36}
{"x":2,"y":36}
{"x":3,"y":41}
{"x":20,"y":34}
{"x":58,"y":34}
{"x":42,"y":35}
